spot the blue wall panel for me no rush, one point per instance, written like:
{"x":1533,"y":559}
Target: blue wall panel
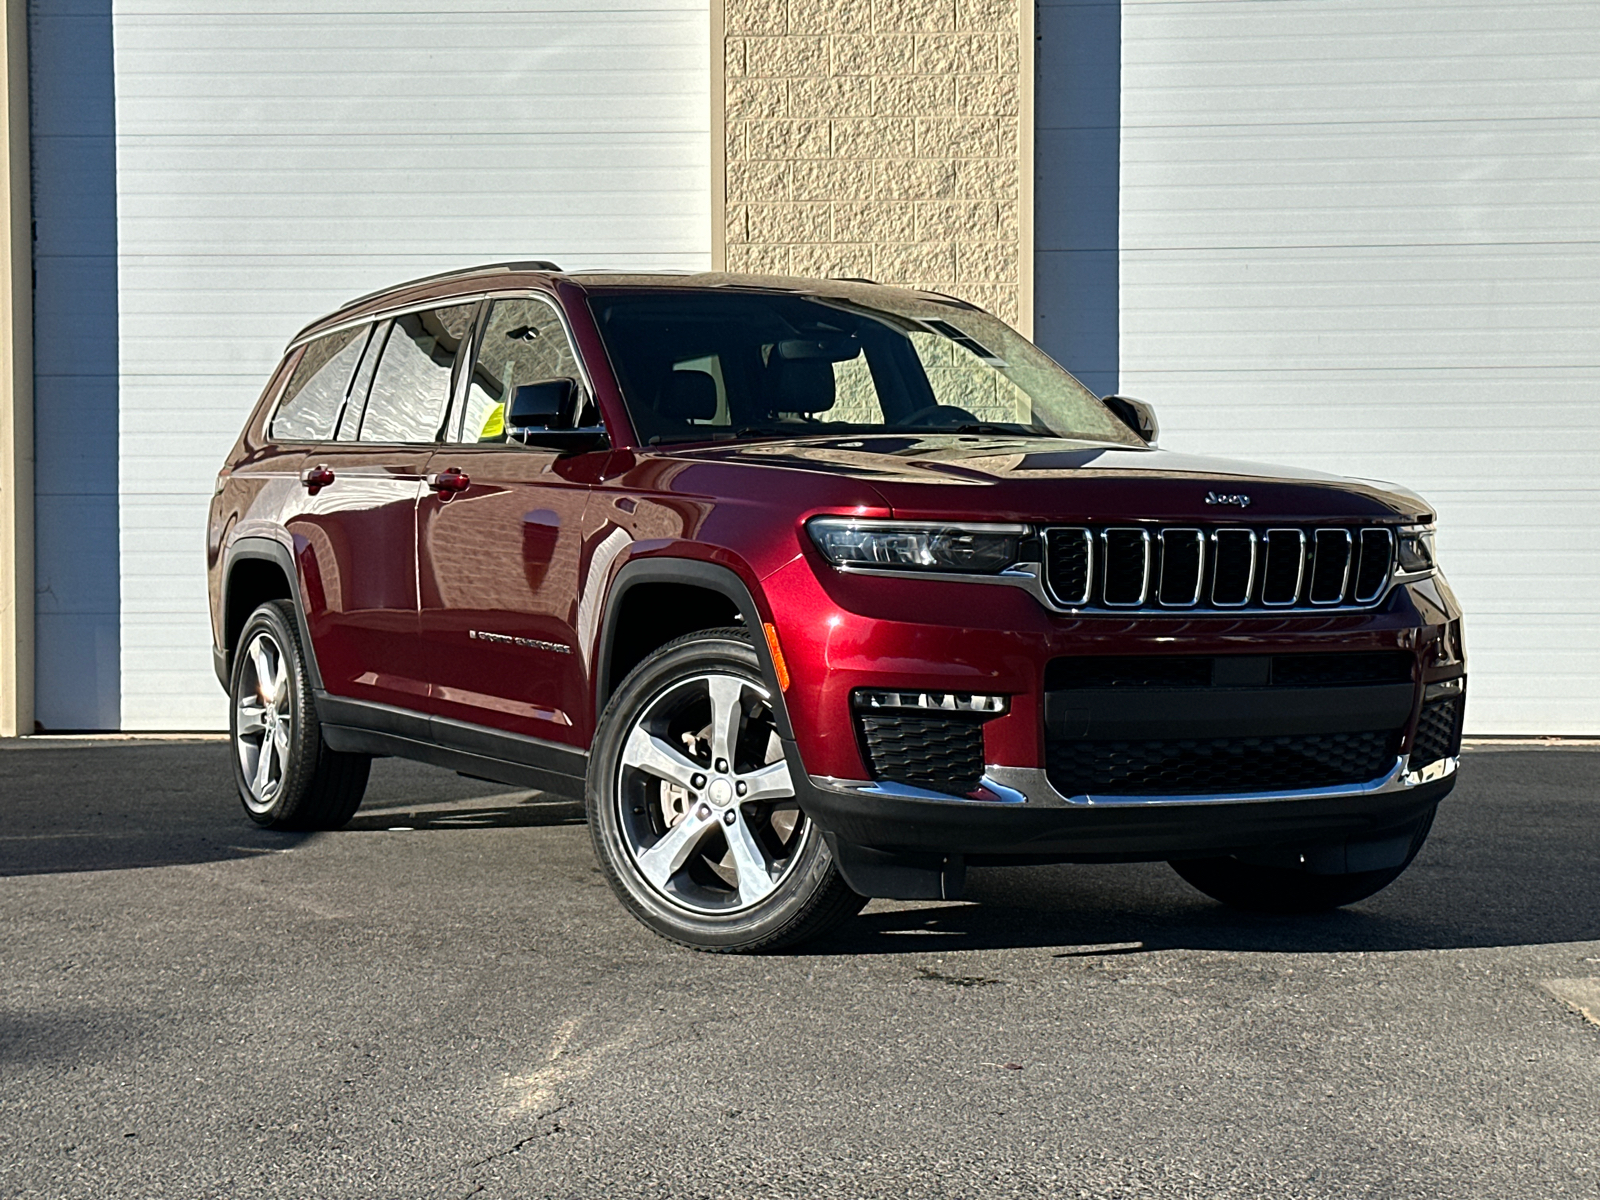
{"x":1077,"y":164}
{"x":76,"y":557}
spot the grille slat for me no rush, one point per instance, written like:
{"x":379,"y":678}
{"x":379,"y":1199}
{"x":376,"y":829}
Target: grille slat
{"x":1233,"y":567}
{"x":1127,"y":573}
{"x":1183,"y":556}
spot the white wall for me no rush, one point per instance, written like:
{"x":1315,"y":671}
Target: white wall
{"x":1365,"y":237}
{"x":277,"y":158}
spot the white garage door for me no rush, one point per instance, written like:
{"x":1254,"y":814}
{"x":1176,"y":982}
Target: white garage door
{"x":1363,"y":237}
{"x":276,"y":158}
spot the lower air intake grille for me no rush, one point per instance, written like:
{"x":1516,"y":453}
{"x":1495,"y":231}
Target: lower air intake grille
{"x":1219,"y":765}
{"x":1438,"y":732}
{"x":935,"y":751}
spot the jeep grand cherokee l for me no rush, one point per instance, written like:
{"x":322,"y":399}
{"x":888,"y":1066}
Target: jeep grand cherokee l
{"x":815,"y":591}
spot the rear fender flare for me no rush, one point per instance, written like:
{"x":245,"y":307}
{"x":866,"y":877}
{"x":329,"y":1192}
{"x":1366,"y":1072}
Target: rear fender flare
{"x":266,"y":550}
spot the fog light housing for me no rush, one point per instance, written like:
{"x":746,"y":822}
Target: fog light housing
{"x":975,"y":703}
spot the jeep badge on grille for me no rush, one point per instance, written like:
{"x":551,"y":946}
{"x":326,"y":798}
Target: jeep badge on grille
{"x":1239,"y":500}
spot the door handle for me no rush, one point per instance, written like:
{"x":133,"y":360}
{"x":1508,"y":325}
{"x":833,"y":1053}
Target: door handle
{"x":450,"y":481}
{"x":314,"y":479}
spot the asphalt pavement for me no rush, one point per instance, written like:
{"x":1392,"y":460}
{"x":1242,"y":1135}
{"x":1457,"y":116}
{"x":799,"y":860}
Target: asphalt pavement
{"x":445,"y":1000}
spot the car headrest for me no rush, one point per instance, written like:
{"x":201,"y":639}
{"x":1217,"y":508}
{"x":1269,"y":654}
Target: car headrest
{"x":802,"y":385}
{"x":688,"y":396}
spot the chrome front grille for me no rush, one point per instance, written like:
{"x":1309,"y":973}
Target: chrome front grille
{"x":1237,"y":567}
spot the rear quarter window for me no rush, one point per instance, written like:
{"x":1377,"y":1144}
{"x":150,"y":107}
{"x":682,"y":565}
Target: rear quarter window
{"x":310,"y":405}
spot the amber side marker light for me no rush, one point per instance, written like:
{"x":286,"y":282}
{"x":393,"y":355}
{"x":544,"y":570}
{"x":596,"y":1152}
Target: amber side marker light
{"x":778,"y":665}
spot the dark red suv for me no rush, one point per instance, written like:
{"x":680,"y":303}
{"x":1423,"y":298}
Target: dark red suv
{"x":815,"y":590}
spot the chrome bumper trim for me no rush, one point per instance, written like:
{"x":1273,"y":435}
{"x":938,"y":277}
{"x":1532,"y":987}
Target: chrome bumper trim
{"x":1029,"y":785}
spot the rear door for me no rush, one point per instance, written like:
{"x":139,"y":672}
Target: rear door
{"x":499,"y":561}
{"x":355,"y":538}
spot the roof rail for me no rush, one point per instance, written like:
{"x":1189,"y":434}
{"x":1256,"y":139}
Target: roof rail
{"x":532,"y":264}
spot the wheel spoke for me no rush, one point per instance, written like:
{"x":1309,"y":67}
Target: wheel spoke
{"x":263,"y":669}
{"x":666,"y":858}
{"x":649,"y":753}
{"x":771,"y":782}
{"x":280,"y":683}
{"x":749,"y":862}
{"x":263,"y":775}
{"x":726,"y":711}
{"x":252,"y":718}
{"x":280,"y":742}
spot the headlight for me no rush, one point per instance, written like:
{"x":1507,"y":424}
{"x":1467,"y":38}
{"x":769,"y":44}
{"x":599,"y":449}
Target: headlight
{"x":1414,"y":552}
{"x":916,"y":545}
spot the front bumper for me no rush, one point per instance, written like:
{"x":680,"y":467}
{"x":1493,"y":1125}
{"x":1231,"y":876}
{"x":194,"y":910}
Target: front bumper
{"x":1028,"y":820}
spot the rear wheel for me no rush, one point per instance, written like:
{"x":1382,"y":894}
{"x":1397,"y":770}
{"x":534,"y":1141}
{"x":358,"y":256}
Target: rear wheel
{"x":692,"y":807}
{"x":287,"y":776}
{"x":1256,"y":887}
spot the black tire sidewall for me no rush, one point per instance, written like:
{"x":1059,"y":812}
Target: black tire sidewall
{"x":794,"y":899}
{"x":1280,"y":890}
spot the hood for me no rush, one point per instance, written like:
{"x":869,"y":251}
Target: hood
{"x":1053,"y":479}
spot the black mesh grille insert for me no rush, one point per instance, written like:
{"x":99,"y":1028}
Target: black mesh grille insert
{"x":1127,"y":566}
{"x":1285,"y":550}
{"x":1234,"y":552}
{"x":1438,"y":732}
{"x":1377,"y":555}
{"x":1330,"y":566}
{"x":1219,"y":765}
{"x":1182,"y":552}
{"x":1067,"y":558}
{"x":938,"y":751}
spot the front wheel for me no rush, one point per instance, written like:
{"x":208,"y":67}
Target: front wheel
{"x":1257,"y":887}
{"x":692,"y":806}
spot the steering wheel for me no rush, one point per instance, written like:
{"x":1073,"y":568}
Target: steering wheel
{"x":924,"y":416}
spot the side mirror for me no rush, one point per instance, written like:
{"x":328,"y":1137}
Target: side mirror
{"x":1136,"y":415}
{"x":545,"y":414}
{"x":540,"y":406}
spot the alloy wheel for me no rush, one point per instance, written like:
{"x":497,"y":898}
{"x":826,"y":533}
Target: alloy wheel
{"x":706,"y":805}
{"x":263,"y":720}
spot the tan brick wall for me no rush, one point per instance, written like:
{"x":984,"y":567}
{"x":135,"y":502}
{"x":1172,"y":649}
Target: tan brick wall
{"x":881,"y":139}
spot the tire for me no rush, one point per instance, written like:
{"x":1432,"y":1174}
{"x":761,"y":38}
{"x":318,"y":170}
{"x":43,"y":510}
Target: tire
{"x":1265,"y":889}
{"x":287,"y":776}
{"x":691,"y":806}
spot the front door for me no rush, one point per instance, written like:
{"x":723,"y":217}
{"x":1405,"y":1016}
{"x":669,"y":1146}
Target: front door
{"x":498,"y":560}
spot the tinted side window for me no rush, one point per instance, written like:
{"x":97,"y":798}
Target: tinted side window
{"x":310,"y":405}
{"x":524,"y":342}
{"x":412,"y":383}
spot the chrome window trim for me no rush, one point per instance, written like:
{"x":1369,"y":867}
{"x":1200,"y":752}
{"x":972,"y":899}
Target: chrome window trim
{"x":1389,"y":573}
{"x":1105,"y":545}
{"x":385,"y":314}
{"x":1300,"y":578}
{"x":1088,"y":579}
{"x":1200,"y":570}
{"x":1008,"y":786}
{"x":1250,"y":581}
{"x":1344,"y":580}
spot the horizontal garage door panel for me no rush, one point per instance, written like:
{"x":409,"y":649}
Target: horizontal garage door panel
{"x":1362,"y":238}
{"x":276,"y":159}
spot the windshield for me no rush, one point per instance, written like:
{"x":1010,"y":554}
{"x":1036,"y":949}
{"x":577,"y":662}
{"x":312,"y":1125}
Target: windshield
{"x":700,"y":365}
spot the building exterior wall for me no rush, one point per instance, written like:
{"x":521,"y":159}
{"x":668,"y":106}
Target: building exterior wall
{"x":881,"y":139}
{"x":273,"y":161}
{"x":16,"y":380}
{"x":1363,"y":238}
